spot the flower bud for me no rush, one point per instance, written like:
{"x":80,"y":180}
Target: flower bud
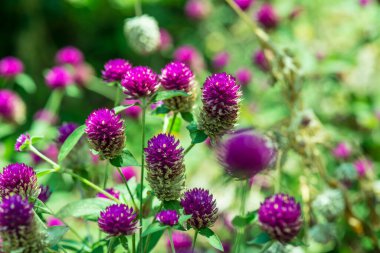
{"x":22,"y":142}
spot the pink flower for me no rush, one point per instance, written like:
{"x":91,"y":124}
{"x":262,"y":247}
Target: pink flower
{"x":128,"y":172}
{"x":342,"y":151}
{"x":52,"y":222}
{"x":362,"y":166}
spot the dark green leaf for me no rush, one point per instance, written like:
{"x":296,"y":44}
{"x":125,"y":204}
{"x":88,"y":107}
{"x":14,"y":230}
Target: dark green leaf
{"x":153,"y":228}
{"x":162,"y":95}
{"x":243,"y":221}
{"x":84,"y":207}
{"x":125,"y":159}
{"x":70,"y":142}
{"x":262,"y":238}
{"x":212,"y":238}
{"x":26,"y":82}
{"x":55,"y":234}
{"x":152,"y":242}
{"x":187,"y":116}
{"x":196,"y":135}
{"x":124,"y":242}
{"x":40,"y":207}
{"x":172,"y":205}
{"x":162,"y":109}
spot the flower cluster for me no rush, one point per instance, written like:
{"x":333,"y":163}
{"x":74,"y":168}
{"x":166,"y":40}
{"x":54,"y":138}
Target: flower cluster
{"x":10,"y":67}
{"x":165,"y":167}
{"x":140,"y":82}
{"x":12,"y":108}
{"x":58,"y":78}
{"x":168,"y":217}
{"x":118,"y":219}
{"x":115,"y":69}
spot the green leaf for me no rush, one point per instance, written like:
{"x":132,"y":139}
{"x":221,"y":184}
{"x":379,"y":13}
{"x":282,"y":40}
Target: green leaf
{"x":26,"y":82}
{"x":73,"y":90}
{"x":243,"y":221}
{"x":55,"y":234}
{"x":43,"y":171}
{"x":172,"y":205}
{"x":162,"y":109}
{"x":196,"y":135}
{"x":162,"y":95}
{"x":262,"y":238}
{"x":153,"y":240}
{"x":153,"y":228}
{"x":125,"y":159}
{"x":124,"y":242}
{"x":84,"y":207}
{"x":70,"y":142}
{"x":212,"y":238}
{"x":187,"y":116}
{"x":40,"y":207}
{"x":183,"y":218}
{"x":36,"y":139}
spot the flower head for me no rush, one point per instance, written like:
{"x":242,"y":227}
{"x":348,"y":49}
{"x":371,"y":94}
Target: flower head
{"x":58,"y":78}
{"x":330,"y":204}
{"x":140,"y":82}
{"x":143,"y":34}
{"x":128,"y":172}
{"x":197,"y":9}
{"x":65,"y":130}
{"x":15,"y":212}
{"x":52,"y":222}
{"x":244,"y":4}
{"x":105,"y":132}
{"x":22,"y":142}
{"x":280,"y":216}
{"x":45,"y":116}
{"x":168,"y":217}
{"x":165,"y":167}
{"x":45,"y":193}
{"x":261,"y":61}
{"x":190,"y":56}
{"x":267,"y":16}
{"x":10,"y":66}
{"x":342,"y":151}
{"x":244,"y":76}
{"x":165,"y":40}
{"x":69,"y":55}
{"x":220,"y":60}
{"x":115,"y":69}
{"x":202,"y":206}
{"x":182,"y":242}
{"x":363,"y":166}
{"x":12,"y":108}
{"x":118,"y":219}
{"x":220,"y":97}
{"x":112,"y":191}
{"x":245,"y":154}
{"x":18,"y":178}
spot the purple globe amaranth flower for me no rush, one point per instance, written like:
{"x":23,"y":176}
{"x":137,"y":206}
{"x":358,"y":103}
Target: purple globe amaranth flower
{"x":342,"y":151}
{"x":22,"y":142}
{"x":128,"y":172}
{"x":140,"y":82}
{"x":134,"y":111}
{"x":244,"y":4}
{"x":58,"y":78}
{"x":202,"y":206}
{"x":69,"y":55}
{"x":10,"y":67}
{"x":267,"y":17}
{"x":190,"y":56}
{"x":245,"y":154}
{"x":260,"y":60}
{"x":117,"y":220}
{"x":168,"y":217}
{"x":45,"y":116}
{"x":182,"y":242}
{"x":363,"y":166}
{"x":65,"y":130}
{"x":18,"y":178}
{"x":364,"y":3}
{"x":18,"y":229}
{"x":220,"y":97}
{"x":221,"y":60}
{"x":115,"y":69}
{"x":166,"y":40}
{"x":244,"y":76}
{"x":111,"y":191}
{"x":53,"y":221}
{"x":178,"y":76}
{"x":12,"y":108}
{"x":280,"y":216}
{"x":197,"y":9}
{"x":165,"y":167}
{"x":105,"y":132}
{"x":45,"y":193}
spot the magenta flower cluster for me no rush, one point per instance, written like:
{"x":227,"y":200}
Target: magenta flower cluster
{"x":10,"y":67}
{"x":168,"y":217}
{"x":139,"y":82}
{"x":118,"y":219}
{"x":65,"y":130}
{"x":115,"y":69}
{"x":15,"y":213}
{"x":58,"y":78}
{"x":69,"y":55}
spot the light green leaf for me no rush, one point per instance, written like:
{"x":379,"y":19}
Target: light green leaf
{"x":124,"y":159}
{"x":162,"y":95}
{"x":84,"y":207}
{"x":55,"y":234}
{"x":70,"y":142}
{"x":212,"y":238}
{"x":26,"y":82}
{"x":153,"y":228}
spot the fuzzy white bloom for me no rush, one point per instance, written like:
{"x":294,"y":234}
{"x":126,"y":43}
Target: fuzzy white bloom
{"x":142,"y":33}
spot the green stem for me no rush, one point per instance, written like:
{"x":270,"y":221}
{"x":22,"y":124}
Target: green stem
{"x":194,"y":241}
{"x":171,"y":239}
{"x":105,"y":177}
{"x":128,"y":189}
{"x":39,"y":221}
{"x":110,"y":244}
{"x":243,"y":200}
{"x":154,"y":218}
{"x":117,"y":95}
{"x":92,"y":185}
{"x":266,"y":247}
{"x":138,"y":9}
{"x":45,"y":158}
{"x":143,"y":107}
{"x":133,"y":243}
{"x":172,"y":123}
{"x":189,"y":148}
{"x":54,"y":101}
{"x":278,"y":172}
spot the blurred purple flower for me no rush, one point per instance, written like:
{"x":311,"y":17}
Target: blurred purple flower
{"x":261,"y":61}
{"x":10,"y":67}
{"x":220,"y":60}
{"x":128,"y":172}
{"x":111,"y":191}
{"x":65,"y":130}
{"x":46,"y":116}
{"x":132,"y":112}
{"x":53,"y":221}
{"x":244,"y":4}
{"x":58,"y":78}
{"x":182,"y":242}
{"x":342,"y":151}
{"x":197,"y":9}
{"x":115,"y":69}
{"x":244,"y":76}
{"x":69,"y":55}
{"x":168,"y":217}
{"x":12,"y":108}
{"x":363,"y":166}
{"x":166,"y":40}
{"x":45,"y":193}
{"x":190,"y":56}
{"x":267,"y":16}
